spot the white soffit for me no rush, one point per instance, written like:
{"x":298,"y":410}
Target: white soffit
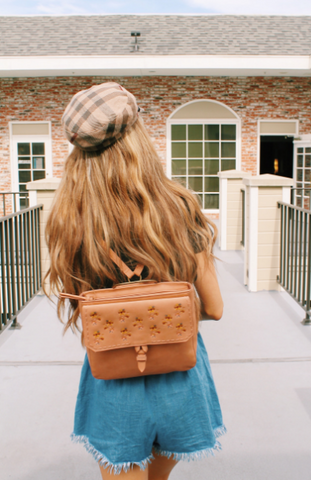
{"x":211,"y":65}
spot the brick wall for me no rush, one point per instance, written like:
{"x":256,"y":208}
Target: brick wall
{"x":29,"y":99}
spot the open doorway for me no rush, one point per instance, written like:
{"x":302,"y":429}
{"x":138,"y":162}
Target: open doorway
{"x":276,"y":155}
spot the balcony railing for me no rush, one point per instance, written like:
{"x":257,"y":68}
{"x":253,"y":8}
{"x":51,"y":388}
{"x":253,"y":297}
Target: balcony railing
{"x":20,"y":262}
{"x":13,"y":201}
{"x":295,"y":255}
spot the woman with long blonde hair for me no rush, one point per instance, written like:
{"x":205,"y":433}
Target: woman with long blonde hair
{"x":114,"y":195}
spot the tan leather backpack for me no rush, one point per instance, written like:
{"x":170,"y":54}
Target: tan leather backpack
{"x":139,"y":328}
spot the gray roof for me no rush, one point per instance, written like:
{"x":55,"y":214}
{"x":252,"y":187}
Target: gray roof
{"x":160,"y":35}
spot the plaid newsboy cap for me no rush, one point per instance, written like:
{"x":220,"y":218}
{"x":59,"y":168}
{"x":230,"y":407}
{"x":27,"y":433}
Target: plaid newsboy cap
{"x":95,"y":118}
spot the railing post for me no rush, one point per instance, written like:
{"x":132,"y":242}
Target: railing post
{"x":307,"y":320}
{"x":263,"y":230}
{"x":19,"y":257}
{"x":230,"y":209}
{"x":42,"y":192}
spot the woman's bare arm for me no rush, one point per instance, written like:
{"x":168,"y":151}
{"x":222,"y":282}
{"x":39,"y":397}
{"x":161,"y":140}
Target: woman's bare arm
{"x":208,"y":288}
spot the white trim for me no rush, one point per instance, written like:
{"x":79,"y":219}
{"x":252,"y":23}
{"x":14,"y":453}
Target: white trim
{"x":253,"y":239}
{"x":30,"y":121}
{"x":70,"y":147}
{"x":223,"y":211}
{"x":302,"y":141}
{"x":32,"y":198}
{"x":278,"y":120}
{"x":180,"y":121}
{"x":275,"y":120}
{"x":286,"y":194}
{"x":246,"y":235}
{"x":230,"y":65}
{"x":14,"y":139}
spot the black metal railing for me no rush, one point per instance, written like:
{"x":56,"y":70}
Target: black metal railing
{"x":301,"y":197}
{"x":295,"y":255}
{"x":20,"y":262}
{"x":243,"y":217}
{"x":9,"y":201}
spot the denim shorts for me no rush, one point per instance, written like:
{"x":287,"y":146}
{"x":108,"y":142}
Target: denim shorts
{"x":121,"y":422}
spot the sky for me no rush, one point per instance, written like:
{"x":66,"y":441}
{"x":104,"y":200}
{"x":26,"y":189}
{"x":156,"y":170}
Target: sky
{"x":83,"y":7}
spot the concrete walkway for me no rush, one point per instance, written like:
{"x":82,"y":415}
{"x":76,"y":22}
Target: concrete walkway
{"x":261,"y":359}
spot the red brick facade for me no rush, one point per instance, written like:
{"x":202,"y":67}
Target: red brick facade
{"x":252,"y":98}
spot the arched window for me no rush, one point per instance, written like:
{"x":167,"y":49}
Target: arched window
{"x":203,"y":139}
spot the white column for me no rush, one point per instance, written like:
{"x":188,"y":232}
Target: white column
{"x":230,"y":209}
{"x":263,"y":229}
{"x":252,"y":239}
{"x":42,"y":192}
{"x":223,"y":186}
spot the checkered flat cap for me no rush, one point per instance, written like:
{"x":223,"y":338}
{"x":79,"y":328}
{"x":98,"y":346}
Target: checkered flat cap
{"x":96,"y":117}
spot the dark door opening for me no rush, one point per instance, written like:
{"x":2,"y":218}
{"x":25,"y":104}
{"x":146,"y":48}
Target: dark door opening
{"x":276,"y":155}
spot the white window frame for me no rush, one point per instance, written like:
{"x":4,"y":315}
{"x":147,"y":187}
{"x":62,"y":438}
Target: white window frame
{"x":305,"y":142}
{"x":202,"y":121}
{"x":15,"y":139}
{"x":273,"y":120}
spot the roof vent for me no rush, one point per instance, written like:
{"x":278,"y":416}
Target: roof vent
{"x":135,"y":45}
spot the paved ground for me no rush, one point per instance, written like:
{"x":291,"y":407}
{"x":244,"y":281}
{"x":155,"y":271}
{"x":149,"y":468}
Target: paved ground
{"x":261,"y":359}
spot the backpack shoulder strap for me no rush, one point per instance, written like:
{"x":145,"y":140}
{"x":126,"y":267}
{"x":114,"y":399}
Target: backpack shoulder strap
{"x":123,"y":267}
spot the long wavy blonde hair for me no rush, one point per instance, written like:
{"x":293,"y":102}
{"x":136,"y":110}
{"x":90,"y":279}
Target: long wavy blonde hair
{"x":121,"y":195}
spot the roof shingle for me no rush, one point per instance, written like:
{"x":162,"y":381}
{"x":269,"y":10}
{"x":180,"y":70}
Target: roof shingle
{"x":160,"y":35}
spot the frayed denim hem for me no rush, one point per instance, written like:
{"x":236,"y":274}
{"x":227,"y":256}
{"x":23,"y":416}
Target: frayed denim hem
{"x":199,"y":454}
{"x":115,"y":468}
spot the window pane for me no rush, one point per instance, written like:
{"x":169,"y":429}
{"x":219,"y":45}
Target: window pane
{"x":37,"y":175}
{"x":211,"y":167}
{"x":195,"y":167}
{"x":24,"y":166}
{"x":300,"y":150}
{"x":200,"y":199}
{"x":195,"y":150}
{"x":228,"y":149}
{"x":299,"y":202}
{"x":38,"y":148}
{"x":24,"y":176}
{"x":38,"y":162}
{"x":179,"y":167}
{"x":299,"y":175}
{"x":195,"y":183}
{"x":179,"y":150}
{"x":308,"y":150}
{"x":211,"y":132}
{"x":211,"y":201}
{"x":211,"y":149}
{"x":195,"y":132}
{"x":227,"y":165}
{"x":23,"y":202}
{"x":228,"y":132}
{"x":22,"y":188}
{"x":307,"y":175}
{"x":307,"y":161}
{"x":178,"y":132}
{"x":24,"y":163}
{"x":182,"y":180}
{"x":211,"y":184}
{"x":299,"y":161}
{"x":23,"y":149}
